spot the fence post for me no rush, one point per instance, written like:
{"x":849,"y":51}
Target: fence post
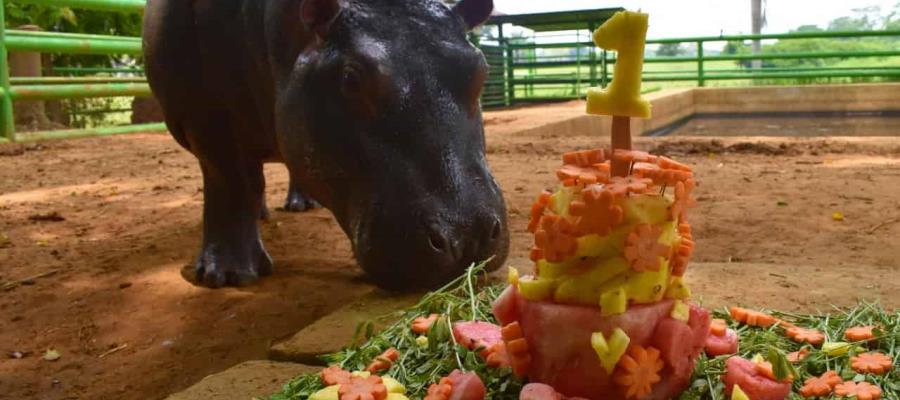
{"x":701,"y":77}
{"x":603,"y":70}
{"x":7,"y":124}
{"x":510,"y":72}
{"x":593,"y":56}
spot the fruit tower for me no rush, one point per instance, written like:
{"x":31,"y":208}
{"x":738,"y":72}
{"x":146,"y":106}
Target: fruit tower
{"x":607,"y":314}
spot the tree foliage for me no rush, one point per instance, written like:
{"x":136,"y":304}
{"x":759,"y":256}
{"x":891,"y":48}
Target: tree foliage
{"x":670,"y":50}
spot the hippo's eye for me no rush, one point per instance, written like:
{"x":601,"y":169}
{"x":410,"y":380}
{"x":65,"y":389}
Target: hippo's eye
{"x":351,"y":82}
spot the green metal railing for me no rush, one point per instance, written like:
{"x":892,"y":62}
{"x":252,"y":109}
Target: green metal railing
{"x":537,"y":78}
{"x":69,"y":87}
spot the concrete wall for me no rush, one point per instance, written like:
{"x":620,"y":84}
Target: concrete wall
{"x":670,"y":106}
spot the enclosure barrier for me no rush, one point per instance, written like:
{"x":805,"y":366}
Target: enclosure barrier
{"x":527,"y":73}
{"x":53,"y":88}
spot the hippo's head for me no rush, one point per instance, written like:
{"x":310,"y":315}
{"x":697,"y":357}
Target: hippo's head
{"x":379,"y":119}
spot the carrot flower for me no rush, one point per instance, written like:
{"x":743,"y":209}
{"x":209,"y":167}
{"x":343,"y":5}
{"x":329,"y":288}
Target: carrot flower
{"x":537,"y":210}
{"x":752,"y":318}
{"x":334,"y":375}
{"x":638,"y":371}
{"x":643,"y":250}
{"x":872,"y":363}
{"x":718,"y":327}
{"x":860,"y":390}
{"x":621,"y":186}
{"x":596,"y":212}
{"x":555,"y":239}
{"x":860,"y":333}
{"x":821,"y":386}
{"x":803,"y":335}
{"x":359,"y":388}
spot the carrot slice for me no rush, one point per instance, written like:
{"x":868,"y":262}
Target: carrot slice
{"x":555,"y":238}
{"x":621,"y":186}
{"x":643,"y":250}
{"x":537,"y":210}
{"x":497,"y":356}
{"x":512,"y":331}
{"x":765,"y":369}
{"x":819,"y":386}
{"x":440,"y":391}
{"x":752,"y":318}
{"x":584,"y":158}
{"x":860,"y":333}
{"x":718,"y":327}
{"x":422,"y":325}
{"x":596,"y":211}
{"x":802,"y":335}
{"x":860,"y":390}
{"x":384,"y":361}
{"x":334,"y":375}
{"x":359,"y":388}
{"x":797,"y":356}
{"x":872,"y":363}
{"x":638,"y":371}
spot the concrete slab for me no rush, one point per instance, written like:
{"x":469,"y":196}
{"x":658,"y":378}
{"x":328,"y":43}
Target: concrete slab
{"x":245,"y":381}
{"x":335,"y":331}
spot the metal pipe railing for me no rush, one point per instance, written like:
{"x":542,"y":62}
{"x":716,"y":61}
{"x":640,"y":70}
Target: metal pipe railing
{"x":553,"y":72}
{"x":56,"y":88}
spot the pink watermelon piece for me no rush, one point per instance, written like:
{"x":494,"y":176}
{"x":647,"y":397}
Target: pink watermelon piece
{"x":476,"y":335}
{"x":722,"y":345}
{"x":466,"y":386}
{"x":559,"y":335}
{"x":742,"y":372}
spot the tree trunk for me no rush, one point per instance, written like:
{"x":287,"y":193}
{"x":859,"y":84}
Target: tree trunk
{"x":756,"y":11}
{"x":29,"y":114}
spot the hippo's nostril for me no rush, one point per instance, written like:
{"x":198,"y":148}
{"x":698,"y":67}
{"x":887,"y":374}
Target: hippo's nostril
{"x":496,"y":231}
{"x":437,"y":241}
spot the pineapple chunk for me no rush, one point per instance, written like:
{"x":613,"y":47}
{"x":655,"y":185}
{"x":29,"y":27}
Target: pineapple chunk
{"x":681,"y":311}
{"x":551,"y":270}
{"x":607,"y":246}
{"x":513,"y":276}
{"x":536,"y":289}
{"x":329,"y":393}
{"x":738,"y":394}
{"x":650,"y":286}
{"x":646,"y":209}
{"x":559,"y":201}
{"x":613,"y":302}
{"x":610,"y":350}
{"x":392,"y":385}
{"x":587,"y":288}
{"x":678,"y":289}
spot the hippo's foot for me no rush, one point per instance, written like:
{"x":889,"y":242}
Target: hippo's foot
{"x":219,"y":266}
{"x":299,"y":202}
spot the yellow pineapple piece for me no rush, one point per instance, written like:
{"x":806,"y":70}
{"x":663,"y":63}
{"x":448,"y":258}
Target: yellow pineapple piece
{"x":329,"y":393}
{"x":513,"y":276}
{"x":681,"y":311}
{"x":678,"y":289}
{"x":738,"y":394}
{"x":536,"y":289}
{"x":610,"y":350}
{"x":613,"y":302}
{"x":650,"y":286}
{"x":392,"y":385}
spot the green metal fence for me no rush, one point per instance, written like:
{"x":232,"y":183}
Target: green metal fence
{"x":562,"y":70}
{"x":51,"y":88}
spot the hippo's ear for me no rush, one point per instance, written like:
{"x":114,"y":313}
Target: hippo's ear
{"x":474,"y":12}
{"x":318,"y":15}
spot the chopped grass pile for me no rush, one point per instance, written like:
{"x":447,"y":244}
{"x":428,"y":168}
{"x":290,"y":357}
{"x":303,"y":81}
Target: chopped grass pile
{"x":421,"y":364}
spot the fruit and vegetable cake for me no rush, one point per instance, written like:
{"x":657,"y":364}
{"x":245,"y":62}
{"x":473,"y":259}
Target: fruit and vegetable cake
{"x":607,"y":314}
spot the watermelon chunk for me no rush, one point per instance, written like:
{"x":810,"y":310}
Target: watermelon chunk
{"x":466,"y":386}
{"x":722,"y":345}
{"x":743,"y":372}
{"x":477,"y":335}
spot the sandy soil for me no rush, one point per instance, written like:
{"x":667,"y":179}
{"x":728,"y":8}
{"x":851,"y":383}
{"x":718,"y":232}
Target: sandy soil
{"x":128,"y":326}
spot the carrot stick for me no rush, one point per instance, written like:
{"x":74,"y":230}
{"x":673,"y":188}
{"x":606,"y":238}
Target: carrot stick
{"x":621,"y":139}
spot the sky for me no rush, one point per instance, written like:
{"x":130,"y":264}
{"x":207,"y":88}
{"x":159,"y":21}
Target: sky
{"x":681,"y":18}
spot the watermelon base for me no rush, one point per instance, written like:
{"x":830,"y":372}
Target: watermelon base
{"x":559,"y":343}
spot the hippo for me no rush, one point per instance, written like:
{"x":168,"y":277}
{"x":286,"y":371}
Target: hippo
{"x":372,"y":105}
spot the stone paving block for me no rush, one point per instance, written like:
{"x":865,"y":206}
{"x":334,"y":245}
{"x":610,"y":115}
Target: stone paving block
{"x":245,"y":381}
{"x":335,"y":331}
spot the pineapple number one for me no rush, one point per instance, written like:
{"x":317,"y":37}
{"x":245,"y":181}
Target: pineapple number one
{"x":626,"y":33}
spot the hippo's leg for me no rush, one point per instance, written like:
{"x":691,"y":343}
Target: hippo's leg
{"x":297,"y":201}
{"x":233,"y":252}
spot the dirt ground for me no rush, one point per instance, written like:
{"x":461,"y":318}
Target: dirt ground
{"x":112,"y":221}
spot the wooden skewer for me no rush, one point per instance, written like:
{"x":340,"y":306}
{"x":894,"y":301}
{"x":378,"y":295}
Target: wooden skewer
{"x":621,"y":139}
